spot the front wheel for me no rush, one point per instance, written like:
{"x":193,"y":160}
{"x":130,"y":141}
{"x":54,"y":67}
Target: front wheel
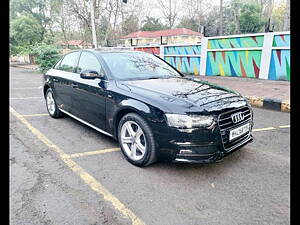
{"x":136,"y":140}
{"x":51,"y":105}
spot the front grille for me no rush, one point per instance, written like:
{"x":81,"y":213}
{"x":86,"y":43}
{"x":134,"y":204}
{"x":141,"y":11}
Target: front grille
{"x":226,"y":124}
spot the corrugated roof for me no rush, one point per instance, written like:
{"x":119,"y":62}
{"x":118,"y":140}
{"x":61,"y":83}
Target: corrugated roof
{"x":76,"y":42}
{"x":164,"y":33}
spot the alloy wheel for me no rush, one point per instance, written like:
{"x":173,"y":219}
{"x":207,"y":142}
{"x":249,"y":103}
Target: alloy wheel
{"x":50,"y":103}
{"x":133,"y":140}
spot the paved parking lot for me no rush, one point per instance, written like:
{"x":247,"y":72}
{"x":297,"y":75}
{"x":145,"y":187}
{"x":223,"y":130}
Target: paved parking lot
{"x":63,"y":172}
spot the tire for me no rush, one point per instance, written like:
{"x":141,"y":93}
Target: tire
{"x":51,"y":105}
{"x":145,"y":148}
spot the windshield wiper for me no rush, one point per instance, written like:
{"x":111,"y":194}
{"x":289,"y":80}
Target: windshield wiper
{"x":162,"y":77}
{"x":153,"y":78}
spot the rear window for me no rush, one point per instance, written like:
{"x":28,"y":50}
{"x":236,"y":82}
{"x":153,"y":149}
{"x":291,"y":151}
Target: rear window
{"x":69,"y":62}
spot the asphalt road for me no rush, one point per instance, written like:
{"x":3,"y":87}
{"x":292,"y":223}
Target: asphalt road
{"x":51,"y":184}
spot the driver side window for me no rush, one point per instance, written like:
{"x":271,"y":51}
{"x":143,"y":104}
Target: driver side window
{"x":88,"y":61}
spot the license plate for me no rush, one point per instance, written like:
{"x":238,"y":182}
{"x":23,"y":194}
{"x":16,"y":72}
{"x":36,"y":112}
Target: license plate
{"x":237,"y":132}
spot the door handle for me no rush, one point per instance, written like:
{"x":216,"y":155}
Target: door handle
{"x":74,"y":86}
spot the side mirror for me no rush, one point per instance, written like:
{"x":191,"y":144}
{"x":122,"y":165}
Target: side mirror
{"x":90,"y":74}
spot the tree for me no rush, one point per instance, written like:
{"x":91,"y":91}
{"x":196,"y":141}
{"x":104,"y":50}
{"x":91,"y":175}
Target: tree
{"x":45,"y":56}
{"x":250,"y":20}
{"x":152,"y":24}
{"x":169,"y":11}
{"x":211,"y":22}
{"x":286,"y":24}
{"x":37,"y":8}
{"x":131,"y":24}
{"x":25,"y":31}
{"x":196,"y":13}
{"x":236,"y":12}
{"x":278,"y":17}
{"x":221,"y":18}
{"x":189,"y":23}
{"x":92,"y":12}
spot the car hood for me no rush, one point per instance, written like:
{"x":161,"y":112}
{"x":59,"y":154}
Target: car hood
{"x":183,"y":95}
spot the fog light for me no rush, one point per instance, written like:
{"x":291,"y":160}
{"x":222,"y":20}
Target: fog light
{"x":185,"y":151}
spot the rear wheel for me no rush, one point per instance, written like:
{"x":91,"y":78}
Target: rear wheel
{"x":51,"y":105}
{"x":136,"y":140}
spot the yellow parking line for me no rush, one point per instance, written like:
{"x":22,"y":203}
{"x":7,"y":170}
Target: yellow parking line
{"x":285,"y":126}
{"x":28,"y":88}
{"x":87,"y":178}
{"x":22,"y":98}
{"x":75,"y":155}
{"x":263,"y":129}
{"x":32,"y":115}
{"x":270,"y":128}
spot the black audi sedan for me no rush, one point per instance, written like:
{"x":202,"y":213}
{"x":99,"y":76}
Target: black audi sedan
{"x":154,"y":111}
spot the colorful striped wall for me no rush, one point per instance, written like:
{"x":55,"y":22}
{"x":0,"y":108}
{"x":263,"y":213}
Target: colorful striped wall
{"x":187,"y":65}
{"x":281,"y":40}
{"x":152,"y":50}
{"x":236,"y":42}
{"x":280,"y":59}
{"x":185,"y":58}
{"x":247,"y":63}
{"x":233,"y":63}
{"x":183,"y":50}
{"x":263,"y":55}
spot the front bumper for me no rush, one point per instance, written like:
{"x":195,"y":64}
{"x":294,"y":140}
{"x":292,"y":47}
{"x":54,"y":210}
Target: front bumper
{"x":199,"y":145}
{"x":209,"y":157}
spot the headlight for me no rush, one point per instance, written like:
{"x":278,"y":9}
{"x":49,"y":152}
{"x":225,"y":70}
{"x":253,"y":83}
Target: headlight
{"x":189,"y":121}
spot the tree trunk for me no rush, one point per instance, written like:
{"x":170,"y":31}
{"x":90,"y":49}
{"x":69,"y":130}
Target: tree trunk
{"x":63,"y":26}
{"x":93,"y":24}
{"x":236,"y":19}
{"x":221,"y":18}
{"x":286,"y":22}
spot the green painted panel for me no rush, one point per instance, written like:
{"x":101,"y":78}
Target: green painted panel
{"x":234,"y":63}
{"x":236,"y":42}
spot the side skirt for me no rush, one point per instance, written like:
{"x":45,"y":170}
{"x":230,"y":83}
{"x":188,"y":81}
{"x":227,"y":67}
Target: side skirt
{"x":86,"y":123}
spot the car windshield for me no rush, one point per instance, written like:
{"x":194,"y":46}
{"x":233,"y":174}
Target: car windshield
{"x":137,"y":65}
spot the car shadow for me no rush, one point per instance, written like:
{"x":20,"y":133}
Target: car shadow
{"x":235,"y":159}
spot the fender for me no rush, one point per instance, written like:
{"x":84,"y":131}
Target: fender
{"x":115,"y":113}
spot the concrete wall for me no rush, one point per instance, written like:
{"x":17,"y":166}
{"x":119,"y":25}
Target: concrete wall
{"x":20,"y":59}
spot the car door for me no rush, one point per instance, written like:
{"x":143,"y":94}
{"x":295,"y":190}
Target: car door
{"x":90,"y":94}
{"x":63,"y":77}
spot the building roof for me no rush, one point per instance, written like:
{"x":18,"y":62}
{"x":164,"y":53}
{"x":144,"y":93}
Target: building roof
{"x":76,"y":42}
{"x":159,"y":33}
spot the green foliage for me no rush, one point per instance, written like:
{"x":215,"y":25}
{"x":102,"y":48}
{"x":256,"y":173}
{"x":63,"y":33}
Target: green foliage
{"x":250,"y":18}
{"x":152,"y":24}
{"x":211,"y":22}
{"x":278,"y":17}
{"x":131,"y":25}
{"x":35,"y":8}
{"x":25,"y":32}
{"x":189,"y":23}
{"x":45,"y":56}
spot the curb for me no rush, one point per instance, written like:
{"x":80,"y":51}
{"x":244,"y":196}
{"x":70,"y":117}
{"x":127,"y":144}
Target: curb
{"x":24,"y":67}
{"x":269,"y":103}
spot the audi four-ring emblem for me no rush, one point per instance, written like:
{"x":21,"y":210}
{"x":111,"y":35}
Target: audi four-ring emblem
{"x":237,"y":117}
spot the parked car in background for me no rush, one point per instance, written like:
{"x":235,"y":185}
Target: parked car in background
{"x":154,"y":111}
